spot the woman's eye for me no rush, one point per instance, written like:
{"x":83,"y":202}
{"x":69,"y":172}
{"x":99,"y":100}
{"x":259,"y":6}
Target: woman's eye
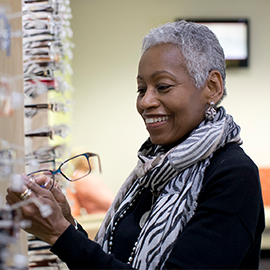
{"x":141,"y":90}
{"x":163,"y":87}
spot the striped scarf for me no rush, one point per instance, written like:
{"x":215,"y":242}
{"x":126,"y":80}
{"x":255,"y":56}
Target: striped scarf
{"x":176,"y":176}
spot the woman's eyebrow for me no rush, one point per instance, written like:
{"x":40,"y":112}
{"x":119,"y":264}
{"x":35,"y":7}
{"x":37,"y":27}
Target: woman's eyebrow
{"x":156,"y":73}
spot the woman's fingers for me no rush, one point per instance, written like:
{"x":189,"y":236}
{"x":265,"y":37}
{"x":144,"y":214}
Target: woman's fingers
{"x":11,"y":198}
{"x":25,"y":194}
{"x":43,"y":180}
{"x":46,"y":227}
{"x":15,"y":196}
{"x":63,"y":203}
{"x":37,"y":188}
{"x":29,"y":189}
{"x":57,"y":193}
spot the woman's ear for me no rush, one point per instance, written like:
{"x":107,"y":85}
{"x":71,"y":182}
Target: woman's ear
{"x":214,"y":86}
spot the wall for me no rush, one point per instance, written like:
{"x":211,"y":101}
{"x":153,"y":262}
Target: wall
{"x":108,"y":35}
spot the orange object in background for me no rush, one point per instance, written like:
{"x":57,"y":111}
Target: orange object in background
{"x":265,"y":183}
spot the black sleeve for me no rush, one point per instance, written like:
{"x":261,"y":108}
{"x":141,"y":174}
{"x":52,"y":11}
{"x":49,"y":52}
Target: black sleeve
{"x":81,"y":229}
{"x":79,"y":252}
{"x":225,"y":232}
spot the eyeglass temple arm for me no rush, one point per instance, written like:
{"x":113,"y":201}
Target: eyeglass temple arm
{"x":41,"y":134}
{"x":95,"y":155}
{"x":99,"y":163}
{"x":40,"y":106}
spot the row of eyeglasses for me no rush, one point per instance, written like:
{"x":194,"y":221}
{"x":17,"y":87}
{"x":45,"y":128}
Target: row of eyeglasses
{"x":46,"y":45}
{"x":47,"y":50}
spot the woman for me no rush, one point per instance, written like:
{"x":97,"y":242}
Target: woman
{"x":194,"y":200}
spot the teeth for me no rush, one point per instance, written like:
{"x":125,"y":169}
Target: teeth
{"x":155,"y":120}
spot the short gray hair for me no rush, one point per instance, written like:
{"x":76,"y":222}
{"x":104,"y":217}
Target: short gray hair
{"x":198,"y":44}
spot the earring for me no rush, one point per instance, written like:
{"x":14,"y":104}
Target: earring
{"x":210,"y":112}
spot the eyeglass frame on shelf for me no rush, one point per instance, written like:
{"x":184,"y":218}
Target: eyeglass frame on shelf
{"x":47,"y":152}
{"x":59,"y":130}
{"x":54,"y":172}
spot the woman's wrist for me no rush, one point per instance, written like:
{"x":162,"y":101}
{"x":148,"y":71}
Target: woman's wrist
{"x":60,"y":230}
{"x":71,"y":220}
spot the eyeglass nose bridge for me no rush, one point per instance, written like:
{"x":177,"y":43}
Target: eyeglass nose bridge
{"x":60,"y":172}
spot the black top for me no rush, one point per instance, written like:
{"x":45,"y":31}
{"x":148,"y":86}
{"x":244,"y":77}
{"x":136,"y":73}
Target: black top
{"x":224,"y":233}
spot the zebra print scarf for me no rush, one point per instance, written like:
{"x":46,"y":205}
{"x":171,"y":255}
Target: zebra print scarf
{"x":176,"y":176}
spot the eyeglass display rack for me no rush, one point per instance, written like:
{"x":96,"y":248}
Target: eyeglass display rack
{"x":37,"y":76}
{"x":11,"y":122}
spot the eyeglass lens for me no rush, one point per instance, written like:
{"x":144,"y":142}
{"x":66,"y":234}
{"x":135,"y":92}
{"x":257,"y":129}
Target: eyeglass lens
{"x":70,"y":167}
{"x":44,"y":178}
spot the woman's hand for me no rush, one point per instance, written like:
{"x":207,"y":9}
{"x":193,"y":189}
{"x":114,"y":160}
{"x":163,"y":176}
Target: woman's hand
{"x":48,"y":228}
{"x":63,"y":203}
{"x":46,"y":182}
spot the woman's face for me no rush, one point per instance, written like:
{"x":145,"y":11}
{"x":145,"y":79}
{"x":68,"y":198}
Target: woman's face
{"x":168,"y":101}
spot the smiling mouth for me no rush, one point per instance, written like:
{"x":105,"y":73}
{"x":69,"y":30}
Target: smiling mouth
{"x":156,"y":119}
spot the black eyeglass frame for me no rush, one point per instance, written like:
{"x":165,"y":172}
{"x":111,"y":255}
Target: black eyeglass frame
{"x":54,"y":172}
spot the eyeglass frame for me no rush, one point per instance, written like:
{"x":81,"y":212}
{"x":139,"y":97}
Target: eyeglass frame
{"x":47,"y":152}
{"x":54,"y":172}
{"x":59,"y":130}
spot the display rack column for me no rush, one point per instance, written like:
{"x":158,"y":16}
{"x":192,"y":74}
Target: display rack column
{"x":11,"y":93}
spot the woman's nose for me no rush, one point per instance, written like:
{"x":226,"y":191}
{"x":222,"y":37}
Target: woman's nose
{"x":148,"y":100}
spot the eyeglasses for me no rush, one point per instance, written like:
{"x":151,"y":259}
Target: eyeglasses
{"x":9,"y":158}
{"x":35,"y":165}
{"x":32,"y":109}
{"x":46,"y":153}
{"x":59,"y":130}
{"x":41,"y":85}
{"x":46,"y":178}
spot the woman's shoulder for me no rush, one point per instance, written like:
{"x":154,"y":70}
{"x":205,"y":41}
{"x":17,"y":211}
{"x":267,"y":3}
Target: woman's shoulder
{"x":231,"y":180}
{"x":233,"y":158}
{"x":234,"y":151}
